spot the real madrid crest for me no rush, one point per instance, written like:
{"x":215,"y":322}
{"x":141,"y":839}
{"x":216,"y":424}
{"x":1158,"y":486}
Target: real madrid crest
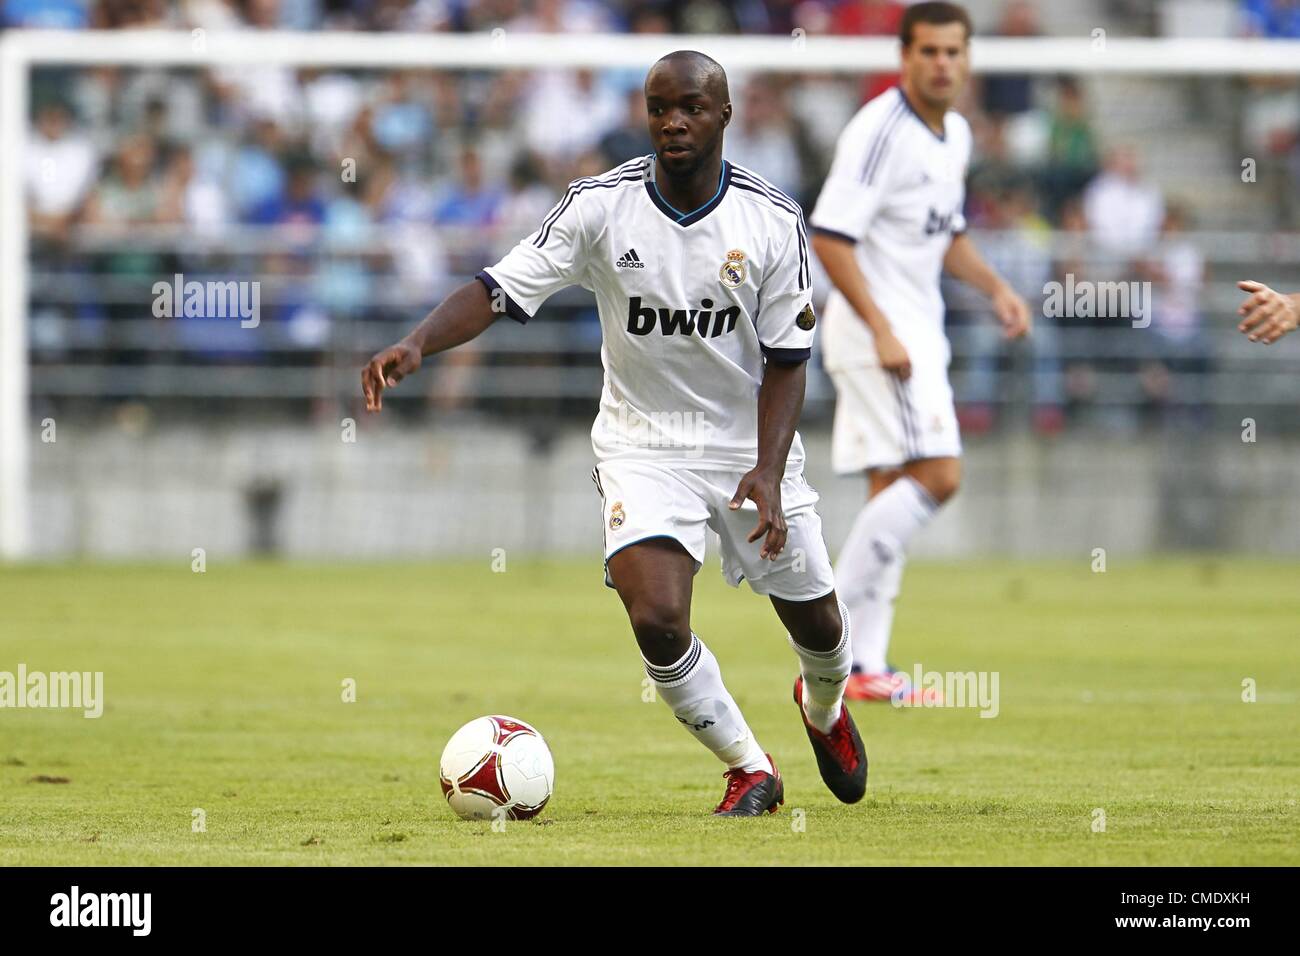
{"x":807,"y":319}
{"x":616,"y":516}
{"x":732,"y":272}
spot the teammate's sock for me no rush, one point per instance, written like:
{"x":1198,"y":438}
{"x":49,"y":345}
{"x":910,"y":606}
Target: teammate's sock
{"x":873,"y":620}
{"x":693,"y":688}
{"x":870,"y":567}
{"x":824,"y":674}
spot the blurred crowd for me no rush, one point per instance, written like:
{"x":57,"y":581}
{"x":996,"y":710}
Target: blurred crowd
{"x":1266,"y":18}
{"x":358,"y":195}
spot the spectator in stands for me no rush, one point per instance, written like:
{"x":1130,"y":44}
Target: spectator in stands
{"x":525,"y":204}
{"x":44,"y":14}
{"x":1270,"y":134}
{"x":1075,"y":258}
{"x":61,"y":165}
{"x":402,"y":124}
{"x":991,"y":173}
{"x":212,"y":14}
{"x":260,"y":14}
{"x":649,"y":17}
{"x":1276,"y":19}
{"x":191,"y":199}
{"x":257,"y":176}
{"x":1072,"y":148}
{"x":562,"y":16}
{"x":876,"y":18}
{"x":765,"y":136}
{"x":553,"y":93}
{"x":631,"y":138}
{"x":132,"y":14}
{"x":301,"y":210}
{"x":408,"y":15}
{"x":470,"y":201}
{"x":1019,"y":248}
{"x":1124,"y":211}
{"x":467,"y":210}
{"x":1007,"y":94}
{"x":705,"y":16}
{"x":1176,"y":343}
{"x":129,"y":196}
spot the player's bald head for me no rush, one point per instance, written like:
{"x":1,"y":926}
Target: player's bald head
{"x":693,"y":66}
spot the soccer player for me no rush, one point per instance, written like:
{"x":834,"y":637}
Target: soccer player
{"x":1267,"y":315}
{"x":701,"y":274}
{"x":887,"y":222}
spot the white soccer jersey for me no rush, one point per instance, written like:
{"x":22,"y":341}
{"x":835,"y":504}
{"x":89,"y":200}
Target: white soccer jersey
{"x":690,"y":306}
{"x":895,"y":188}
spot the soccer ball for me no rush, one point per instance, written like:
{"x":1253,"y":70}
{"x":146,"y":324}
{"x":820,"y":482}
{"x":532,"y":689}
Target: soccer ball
{"x":496,"y":766}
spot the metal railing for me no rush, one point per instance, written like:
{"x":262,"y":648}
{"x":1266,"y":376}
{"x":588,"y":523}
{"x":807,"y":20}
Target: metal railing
{"x":327,"y":302}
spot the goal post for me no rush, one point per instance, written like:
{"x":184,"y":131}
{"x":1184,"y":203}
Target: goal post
{"x":22,"y":50}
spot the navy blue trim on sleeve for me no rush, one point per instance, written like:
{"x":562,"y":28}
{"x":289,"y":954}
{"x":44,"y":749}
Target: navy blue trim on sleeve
{"x":513,"y":309}
{"x":787,"y":356}
{"x":833,"y":234}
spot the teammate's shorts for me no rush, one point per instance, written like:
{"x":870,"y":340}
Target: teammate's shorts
{"x":881,"y":421}
{"x":642,"y":500}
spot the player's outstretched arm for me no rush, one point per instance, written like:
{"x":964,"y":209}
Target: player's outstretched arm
{"x":460,"y":317}
{"x":963,"y":261}
{"x":1267,"y":315}
{"x":780,"y":402}
{"x":837,"y":257}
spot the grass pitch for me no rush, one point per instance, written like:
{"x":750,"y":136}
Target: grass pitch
{"x":1120,"y":694}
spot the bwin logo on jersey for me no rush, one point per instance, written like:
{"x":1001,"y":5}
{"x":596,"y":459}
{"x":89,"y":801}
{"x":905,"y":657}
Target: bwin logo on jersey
{"x":936,"y":223}
{"x":709,"y":324}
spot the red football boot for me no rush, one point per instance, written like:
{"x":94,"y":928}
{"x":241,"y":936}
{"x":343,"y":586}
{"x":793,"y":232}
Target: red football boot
{"x":841,"y":757}
{"x":751,"y":793}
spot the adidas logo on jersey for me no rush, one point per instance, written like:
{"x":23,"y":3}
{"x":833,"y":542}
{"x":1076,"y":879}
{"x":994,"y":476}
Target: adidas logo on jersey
{"x":629,"y":260}
{"x":709,"y":324}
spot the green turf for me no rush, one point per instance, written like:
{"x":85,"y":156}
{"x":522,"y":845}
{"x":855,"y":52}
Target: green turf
{"x":1120,"y":691}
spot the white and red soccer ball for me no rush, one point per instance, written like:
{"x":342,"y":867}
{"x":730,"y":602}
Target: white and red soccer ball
{"x":496,"y":766}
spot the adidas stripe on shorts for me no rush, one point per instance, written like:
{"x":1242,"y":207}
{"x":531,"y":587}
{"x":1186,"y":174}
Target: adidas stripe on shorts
{"x":882,"y":421}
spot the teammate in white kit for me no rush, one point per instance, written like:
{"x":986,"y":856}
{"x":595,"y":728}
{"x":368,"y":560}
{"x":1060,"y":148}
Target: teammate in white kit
{"x":701,"y":274}
{"x":887,"y":222}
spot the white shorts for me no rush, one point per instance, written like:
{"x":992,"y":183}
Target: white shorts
{"x":641,"y":499}
{"x":883,"y":422}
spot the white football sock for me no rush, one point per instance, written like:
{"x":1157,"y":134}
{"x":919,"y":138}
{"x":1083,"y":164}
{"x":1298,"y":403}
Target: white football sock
{"x":693,"y":688}
{"x":824,"y":676}
{"x":874,"y":620}
{"x":869,"y":571}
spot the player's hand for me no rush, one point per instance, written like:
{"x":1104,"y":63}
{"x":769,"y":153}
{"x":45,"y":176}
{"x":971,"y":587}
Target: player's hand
{"x":1267,"y":315}
{"x":385,"y":370}
{"x":1012,"y":313}
{"x":764,"y":488}
{"x":893,"y":357}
